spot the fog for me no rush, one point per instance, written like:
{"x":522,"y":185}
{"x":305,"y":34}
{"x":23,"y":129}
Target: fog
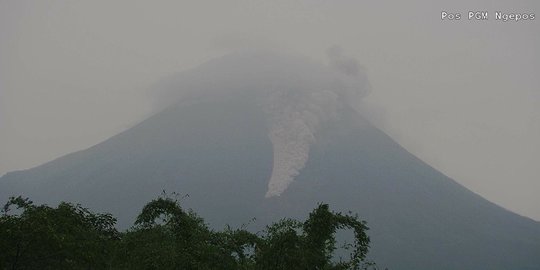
{"x":297,"y":96}
{"x":461,"y":95}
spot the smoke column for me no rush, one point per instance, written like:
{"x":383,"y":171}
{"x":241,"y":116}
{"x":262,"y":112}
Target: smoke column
{"x":296,"y":94}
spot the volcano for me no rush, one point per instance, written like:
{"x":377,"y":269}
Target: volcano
{"x":266,"y":135}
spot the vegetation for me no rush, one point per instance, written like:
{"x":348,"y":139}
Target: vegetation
{"x":165,"y":236}
{"x":66,"y":237}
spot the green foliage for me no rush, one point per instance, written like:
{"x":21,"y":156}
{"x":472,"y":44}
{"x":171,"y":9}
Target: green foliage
{"x":165,"y":236}
{"x":289,"y":244}
{"x":66,"y":237}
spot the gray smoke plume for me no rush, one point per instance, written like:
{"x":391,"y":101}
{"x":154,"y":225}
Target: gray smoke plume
{"x":296,"y":94}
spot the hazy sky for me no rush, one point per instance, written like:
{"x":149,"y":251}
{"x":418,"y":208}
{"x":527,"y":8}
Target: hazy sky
{"x":462,"y":95}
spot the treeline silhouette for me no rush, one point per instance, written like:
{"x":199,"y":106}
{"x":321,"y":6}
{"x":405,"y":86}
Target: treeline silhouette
{"x":165,"y":236}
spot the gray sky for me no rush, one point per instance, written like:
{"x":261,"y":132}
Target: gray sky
{"x":462,"y":95}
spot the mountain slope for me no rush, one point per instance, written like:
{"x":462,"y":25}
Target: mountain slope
{"x":219,"y":151}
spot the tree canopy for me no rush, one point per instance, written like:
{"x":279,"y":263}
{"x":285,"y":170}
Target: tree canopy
{"x":165,"y":236}
{"x":66,"y":237}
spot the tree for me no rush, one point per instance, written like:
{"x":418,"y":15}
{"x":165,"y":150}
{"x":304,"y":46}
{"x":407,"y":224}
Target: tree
{"x":289,"y":244}
{"x":165,"y":236}
{"x":66,"y":237}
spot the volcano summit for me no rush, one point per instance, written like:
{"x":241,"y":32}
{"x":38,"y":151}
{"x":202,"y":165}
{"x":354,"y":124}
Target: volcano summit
{"x":267,"y":135}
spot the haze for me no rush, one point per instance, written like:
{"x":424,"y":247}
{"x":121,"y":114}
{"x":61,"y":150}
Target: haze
{"x":463,"y":96}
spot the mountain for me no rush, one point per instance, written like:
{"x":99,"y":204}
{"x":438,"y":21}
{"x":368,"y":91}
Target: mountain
{"x":265,"y":136}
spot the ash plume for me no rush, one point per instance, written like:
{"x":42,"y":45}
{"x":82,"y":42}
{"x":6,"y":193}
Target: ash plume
{"x":296,"y":94}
